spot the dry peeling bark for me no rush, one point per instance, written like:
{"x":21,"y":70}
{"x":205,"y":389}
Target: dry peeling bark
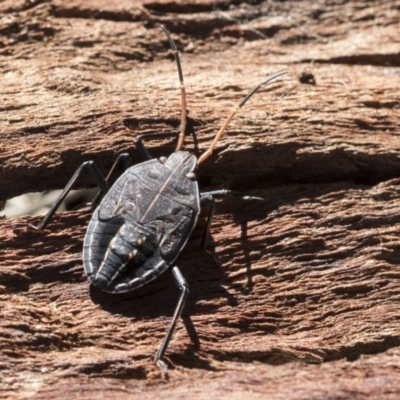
{"x":305,"y":304}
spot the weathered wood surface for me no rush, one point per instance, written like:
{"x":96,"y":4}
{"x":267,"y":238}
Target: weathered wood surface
{"x":306,"y":303}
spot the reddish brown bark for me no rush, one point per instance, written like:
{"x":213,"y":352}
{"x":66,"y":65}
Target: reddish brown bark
{"x":305,"y":304}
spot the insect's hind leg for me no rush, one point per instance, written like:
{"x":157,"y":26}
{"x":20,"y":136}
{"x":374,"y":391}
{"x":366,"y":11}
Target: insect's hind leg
{"x":100,"y":181}
{"x":184,"y":287}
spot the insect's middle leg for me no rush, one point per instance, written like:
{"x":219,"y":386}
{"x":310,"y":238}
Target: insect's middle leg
{"x":102,"y":183}
{"x":210,"y":197}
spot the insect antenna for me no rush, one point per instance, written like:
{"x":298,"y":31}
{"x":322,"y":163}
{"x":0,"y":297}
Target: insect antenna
{"x":181,"y":137}
{"x":223,"y":128}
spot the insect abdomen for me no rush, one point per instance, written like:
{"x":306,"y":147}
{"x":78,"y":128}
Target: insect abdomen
{"x":120,"y":256}
{"x":98,"y":236}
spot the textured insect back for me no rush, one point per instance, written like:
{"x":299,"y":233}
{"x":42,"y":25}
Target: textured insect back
{"x":142,"y":223}
{"x":182,"y":185}
{"x":128,"y":249}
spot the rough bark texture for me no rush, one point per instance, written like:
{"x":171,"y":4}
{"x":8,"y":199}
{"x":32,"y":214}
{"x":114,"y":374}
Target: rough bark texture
{"x":306,"y":302}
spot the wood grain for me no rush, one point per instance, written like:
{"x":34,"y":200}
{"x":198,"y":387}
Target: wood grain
{"x":305,"y":303}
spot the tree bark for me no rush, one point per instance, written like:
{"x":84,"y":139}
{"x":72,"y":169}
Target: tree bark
{"x":305,"y":303}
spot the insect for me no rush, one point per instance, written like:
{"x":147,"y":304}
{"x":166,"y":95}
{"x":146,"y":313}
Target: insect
{"x":146,"y":217}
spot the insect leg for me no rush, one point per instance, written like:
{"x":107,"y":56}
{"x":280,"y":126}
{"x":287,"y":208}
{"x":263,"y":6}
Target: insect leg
{"x":101,"y":183}
{"x":209,"y":197}
{"x":224,"y":192}
{"x":127,"y":160}
{"x":184,"y":287}
{"x":142,"y":149}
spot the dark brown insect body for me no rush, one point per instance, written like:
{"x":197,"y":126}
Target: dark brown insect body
{"x":142,"y":224}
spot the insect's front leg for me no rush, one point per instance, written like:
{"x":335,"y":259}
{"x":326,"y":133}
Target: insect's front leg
{"x":142,"y":149}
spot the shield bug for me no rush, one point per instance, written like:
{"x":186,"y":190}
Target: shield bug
{"x":146,"y":217}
